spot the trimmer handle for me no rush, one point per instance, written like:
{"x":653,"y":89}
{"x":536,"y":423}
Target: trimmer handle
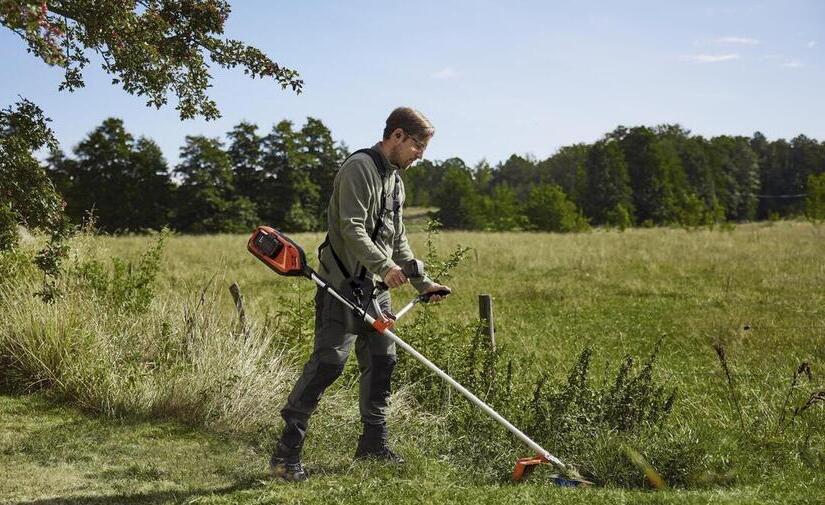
{"x":425,"y":297}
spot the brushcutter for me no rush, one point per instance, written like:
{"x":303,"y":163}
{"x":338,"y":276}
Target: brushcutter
{"x":286,"y":257}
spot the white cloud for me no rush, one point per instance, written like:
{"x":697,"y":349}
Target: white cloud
{"x":811,"y":44}
{"x":711,"y":58}
{"x":444,"y":73}
{"x":793,"y":64}
{"x":738,"y":40}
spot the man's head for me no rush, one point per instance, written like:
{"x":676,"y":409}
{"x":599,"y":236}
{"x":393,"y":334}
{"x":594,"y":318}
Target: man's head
{"x":406,"y":136}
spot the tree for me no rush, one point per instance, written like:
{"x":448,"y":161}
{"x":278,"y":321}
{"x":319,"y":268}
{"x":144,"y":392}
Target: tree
{"x":150,"y":186}
{"x":245,"y":152}
{"x":517,"y":172}
{"x":566,"y":169}
{"x":152,"y":48}
{"x":607,"y":184}
{"x":206,"y":200}
{"x":694,"y":155}
{"x":656,"y":174}
{"x":736,"y":171}
{"x":501,"y":211}
{"x":460,"y":206}
{"x":549,"y":209}
{"x":421,"y":183}
{"x":322,"y":158}
{"x":125,"y":181}
{"x":27,"y":196}
{"x":290,"y":198}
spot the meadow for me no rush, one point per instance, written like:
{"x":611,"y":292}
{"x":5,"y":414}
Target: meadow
{"x":701,"y":351}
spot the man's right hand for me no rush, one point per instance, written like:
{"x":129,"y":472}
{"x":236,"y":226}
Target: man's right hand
{"x":395,"y":277}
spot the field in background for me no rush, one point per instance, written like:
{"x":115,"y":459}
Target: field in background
{"x":756,"y":290}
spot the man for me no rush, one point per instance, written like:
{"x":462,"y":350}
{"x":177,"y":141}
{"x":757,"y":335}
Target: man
{"x":366,"y":243}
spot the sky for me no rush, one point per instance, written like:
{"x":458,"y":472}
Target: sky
{"x":495,"y":78}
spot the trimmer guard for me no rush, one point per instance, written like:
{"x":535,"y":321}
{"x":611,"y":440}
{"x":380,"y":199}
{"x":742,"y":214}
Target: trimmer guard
{"x":525,"y":466}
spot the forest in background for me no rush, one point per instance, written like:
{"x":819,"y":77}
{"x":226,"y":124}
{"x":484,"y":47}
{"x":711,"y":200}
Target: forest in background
{"x":639,"y":176}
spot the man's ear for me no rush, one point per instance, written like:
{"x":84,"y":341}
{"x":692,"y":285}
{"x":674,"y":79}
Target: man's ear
{"x":398,"y":134}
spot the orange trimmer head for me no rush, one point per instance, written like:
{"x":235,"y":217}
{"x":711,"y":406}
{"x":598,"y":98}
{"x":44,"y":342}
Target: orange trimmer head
{"x":525,"y":466}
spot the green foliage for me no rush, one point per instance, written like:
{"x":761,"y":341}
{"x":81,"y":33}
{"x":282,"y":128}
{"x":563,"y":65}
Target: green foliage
{"x":28,"y":197}
{"x":460,"y":205}
{"x":14,"y":265}
{"x":694,"y":214}
{"x":298,"y":168}
{"x":206,"y":199}
{"x":815,"y":202}
{"x":151,"y":48}
{"x":8,"y":229}
{"x":127,"y":286}
{"x":501,"y":211}
{"x":438,"y":267}
{"x":548,"y":209}
{"x":566,"y":169}
{"x":656,"y":173}
{"x":606,"y":184}
{"x":631,"y":400}
{"x":736,"y":170}
{"x":125,"y":180}
{"x":619,"y":217}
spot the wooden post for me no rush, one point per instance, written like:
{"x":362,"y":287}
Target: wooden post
{"x":485,"y":313}
{"x":238,"y":297}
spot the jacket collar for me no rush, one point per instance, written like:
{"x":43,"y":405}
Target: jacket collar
{"x":387,"y":168}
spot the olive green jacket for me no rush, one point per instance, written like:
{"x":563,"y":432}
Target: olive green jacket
{"x":351,"y":216}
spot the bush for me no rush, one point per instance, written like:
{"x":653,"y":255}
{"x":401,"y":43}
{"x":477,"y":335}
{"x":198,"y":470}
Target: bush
{"x":815,"y":202}
{"x":619,"y":217}
{"x":127,"y":286}
{"x":549,"y":209}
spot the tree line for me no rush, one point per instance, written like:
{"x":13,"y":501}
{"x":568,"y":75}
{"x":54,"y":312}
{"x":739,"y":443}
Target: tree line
{"x":641,"y":176}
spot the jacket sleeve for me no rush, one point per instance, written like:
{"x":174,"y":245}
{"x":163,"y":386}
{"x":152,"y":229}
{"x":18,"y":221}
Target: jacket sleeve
{"x":354,"y":195}
{"x":401,"y":250}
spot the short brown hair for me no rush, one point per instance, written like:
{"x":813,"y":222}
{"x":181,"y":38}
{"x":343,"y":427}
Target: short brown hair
{"x":411,"y":121}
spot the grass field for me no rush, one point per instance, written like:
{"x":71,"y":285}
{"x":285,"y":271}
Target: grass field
{"x":175,"y":407}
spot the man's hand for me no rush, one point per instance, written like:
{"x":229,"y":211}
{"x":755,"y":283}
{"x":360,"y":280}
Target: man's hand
{"x":436,"y":288}
{"x":395,"y":277}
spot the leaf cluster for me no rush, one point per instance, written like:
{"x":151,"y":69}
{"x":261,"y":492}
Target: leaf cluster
{"x":152,"y":48}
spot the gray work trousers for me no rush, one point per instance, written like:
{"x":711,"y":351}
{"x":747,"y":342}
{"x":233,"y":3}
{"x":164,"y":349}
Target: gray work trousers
{"x":336,"y":328}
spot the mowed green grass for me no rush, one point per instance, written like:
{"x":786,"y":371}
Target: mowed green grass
{"x":52,"y":455}
{"x":757,"y":289}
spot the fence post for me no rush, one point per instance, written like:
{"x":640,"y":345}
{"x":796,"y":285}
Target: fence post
{"x":238,"y":297}
{"x":485,"y":313}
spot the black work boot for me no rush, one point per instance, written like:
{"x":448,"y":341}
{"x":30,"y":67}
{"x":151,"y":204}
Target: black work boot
{"x":373,"y":445}
{"x":285,"y":464}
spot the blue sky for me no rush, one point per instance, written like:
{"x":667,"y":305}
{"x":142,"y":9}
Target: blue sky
{"x":496,"y":78}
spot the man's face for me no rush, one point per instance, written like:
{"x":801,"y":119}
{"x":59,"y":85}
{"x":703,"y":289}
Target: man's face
{"x":407,"y":150}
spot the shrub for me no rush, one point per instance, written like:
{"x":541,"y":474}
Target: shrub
{"x":619,"y":217}
{"x":127,"y":286}
{"x":815,"y":202}
{"x":549,"y":209}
